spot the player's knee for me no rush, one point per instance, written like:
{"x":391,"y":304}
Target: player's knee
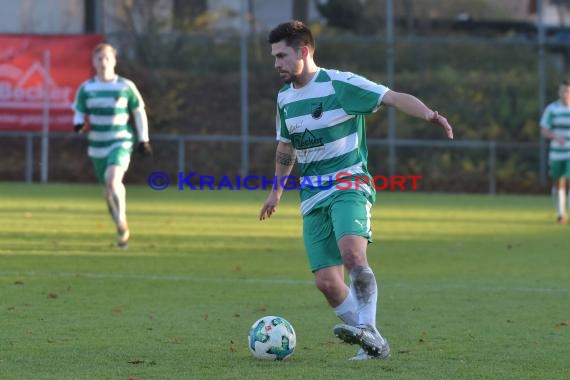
{"x":353,"y":257}
{"x":327,"y":285}
{"x":112,"y":188}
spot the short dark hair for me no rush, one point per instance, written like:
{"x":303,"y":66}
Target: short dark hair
{"x":565,"y":82}
{"x":103,"y":46}
{"x":295,"y":34}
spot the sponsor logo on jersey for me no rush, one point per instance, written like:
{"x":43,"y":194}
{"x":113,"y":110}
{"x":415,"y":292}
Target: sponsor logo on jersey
{"x":307,"y":140}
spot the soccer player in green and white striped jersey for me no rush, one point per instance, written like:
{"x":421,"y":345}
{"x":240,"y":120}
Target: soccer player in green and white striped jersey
{"x":555,"y":126}
{"x":108,"y":99}
{"x":320,"y":123}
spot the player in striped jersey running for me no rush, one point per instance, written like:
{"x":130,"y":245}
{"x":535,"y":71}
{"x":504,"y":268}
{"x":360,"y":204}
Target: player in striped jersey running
{"x":555,"y":126}
{"x":320,"y":124}
{"x":108,"y":99}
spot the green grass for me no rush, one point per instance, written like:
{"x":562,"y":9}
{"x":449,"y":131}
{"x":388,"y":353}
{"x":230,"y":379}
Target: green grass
{"x":472,"y":287}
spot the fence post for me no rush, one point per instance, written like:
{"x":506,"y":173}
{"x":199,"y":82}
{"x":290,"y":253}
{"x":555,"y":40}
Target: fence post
{"x":244,"y":87}
{"x":492,"y":167}
{"x":181,"y":154}
{"x":542,"y":168}
{"x":390,"y":53}
{"x":45,"y":119}
{"x":29,"y":157}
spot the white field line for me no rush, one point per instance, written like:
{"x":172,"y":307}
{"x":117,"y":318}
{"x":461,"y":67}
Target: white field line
{"x":152,"y":277}
{"x":276,"y":281}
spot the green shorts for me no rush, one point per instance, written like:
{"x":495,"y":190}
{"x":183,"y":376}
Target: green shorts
{"x":559,"y":169}
{"x":343,"y":213}
{"x":118,"y":157}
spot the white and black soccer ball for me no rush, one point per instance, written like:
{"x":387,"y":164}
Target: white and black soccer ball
{"x":272,"y":338}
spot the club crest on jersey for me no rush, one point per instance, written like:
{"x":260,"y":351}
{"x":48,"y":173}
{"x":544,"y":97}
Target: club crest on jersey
{"x":317,"y":110}
{"x":306,"y":140}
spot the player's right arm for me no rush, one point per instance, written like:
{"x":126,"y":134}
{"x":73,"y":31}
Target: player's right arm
{"x":548,"y":134}
{"x":546,"y":126}
{"x":284,"y":161}
{"x":80,"y":109}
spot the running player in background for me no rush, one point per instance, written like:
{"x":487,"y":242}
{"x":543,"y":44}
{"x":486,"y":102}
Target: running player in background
{"x":108,"y":99}
{"x":555,"y":126}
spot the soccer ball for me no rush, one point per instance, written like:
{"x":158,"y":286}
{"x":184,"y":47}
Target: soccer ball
{"x":272,"y":338}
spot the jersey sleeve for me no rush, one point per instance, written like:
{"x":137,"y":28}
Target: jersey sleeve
{"x":356,"y":94}
{"x":281,"y":126}
{"x":134,"y":97}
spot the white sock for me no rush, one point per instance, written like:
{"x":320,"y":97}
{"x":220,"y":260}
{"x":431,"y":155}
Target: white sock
{"x":119,"y":196}
{"x":561,"y":202}
{"x":363,"y":284}
{"x":555,"y":200}
{"x":348,"y":309}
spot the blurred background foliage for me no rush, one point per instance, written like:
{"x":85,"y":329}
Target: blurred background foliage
{"x":482,"y":74}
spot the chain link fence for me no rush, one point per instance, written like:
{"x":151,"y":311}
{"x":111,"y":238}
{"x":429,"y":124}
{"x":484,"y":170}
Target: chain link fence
{"x":488,"y":88}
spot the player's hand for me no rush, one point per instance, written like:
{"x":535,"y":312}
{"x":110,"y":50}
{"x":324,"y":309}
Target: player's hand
{"x":78,"y":128}
{"x":436,"y":118}
{"x":145,"y":149}
{"x":270,"y":206}
{"x":560,"y":139}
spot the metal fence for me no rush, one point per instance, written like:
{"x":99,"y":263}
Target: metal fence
{"x":490,"y":89}
{"x":174,"y":154}
{"x":210,"y":98}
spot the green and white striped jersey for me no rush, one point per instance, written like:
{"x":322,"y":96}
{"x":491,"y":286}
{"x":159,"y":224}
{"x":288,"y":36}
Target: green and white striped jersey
{"x":324,"y":120}
{"x":556,"y":117}
{"x":108,"y":105}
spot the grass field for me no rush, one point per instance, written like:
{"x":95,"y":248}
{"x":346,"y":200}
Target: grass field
{"x":472,"y":287}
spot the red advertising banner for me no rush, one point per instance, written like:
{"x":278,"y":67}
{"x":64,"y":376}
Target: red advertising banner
{"x":32,"y":64}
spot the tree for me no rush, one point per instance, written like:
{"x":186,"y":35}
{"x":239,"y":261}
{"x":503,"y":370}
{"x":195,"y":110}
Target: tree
{"x":341,"y":14}
{"x":367,"y":16}
{"x":185,"y":11}
{"x":301,"y":10}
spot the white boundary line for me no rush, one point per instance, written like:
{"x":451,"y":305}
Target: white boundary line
{"x":152,"y":277}
{"x":283,"y":281}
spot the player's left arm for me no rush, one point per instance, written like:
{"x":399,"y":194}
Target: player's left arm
{"x":141,"y":124}
{"x":414,"y":107}
{"x":78,"y":121}
{"x":137,"y":106}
